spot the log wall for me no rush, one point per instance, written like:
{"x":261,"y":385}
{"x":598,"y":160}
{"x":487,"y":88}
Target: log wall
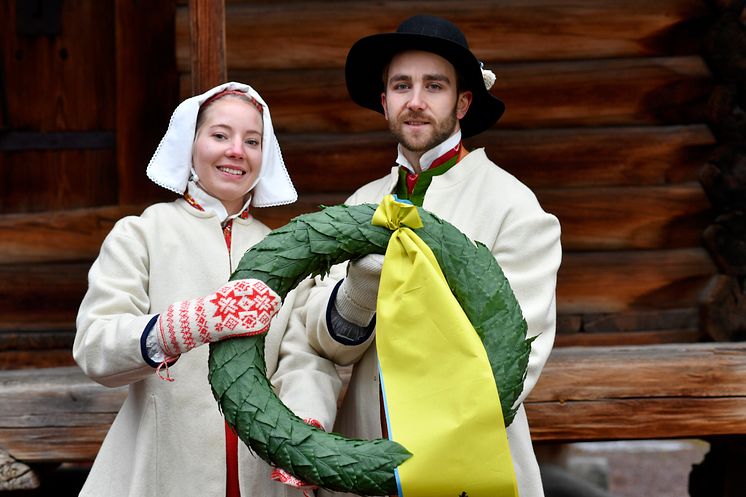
{"x":607,"y":120}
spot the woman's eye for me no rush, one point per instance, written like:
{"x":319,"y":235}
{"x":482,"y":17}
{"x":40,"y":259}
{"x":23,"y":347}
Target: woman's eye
{"x":252,"y":142}
{"x":219,"y":136}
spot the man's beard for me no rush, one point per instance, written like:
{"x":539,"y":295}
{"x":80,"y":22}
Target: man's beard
{"x":440,"y":131}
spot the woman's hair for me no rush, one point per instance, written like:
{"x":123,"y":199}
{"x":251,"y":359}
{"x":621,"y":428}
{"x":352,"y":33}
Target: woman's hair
{"x":226,"y":93}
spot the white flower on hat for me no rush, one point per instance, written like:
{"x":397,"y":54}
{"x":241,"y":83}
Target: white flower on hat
{"x":488,"y":77}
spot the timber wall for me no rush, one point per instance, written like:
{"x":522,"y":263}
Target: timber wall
{"x":607,"y":120}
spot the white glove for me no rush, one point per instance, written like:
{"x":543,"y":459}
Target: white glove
{"x":239,"y":308}
{"x":357,"y":295}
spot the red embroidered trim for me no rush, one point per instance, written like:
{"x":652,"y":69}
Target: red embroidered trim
{"x":240,"y":93}
{"x":186,"y":332}
{"x":190,"y":200}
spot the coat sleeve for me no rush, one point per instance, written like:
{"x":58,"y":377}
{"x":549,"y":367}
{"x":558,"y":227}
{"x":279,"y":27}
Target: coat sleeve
{"x":115,"y":310}
{"x":529,"y":253}
{"x":305,"y":381}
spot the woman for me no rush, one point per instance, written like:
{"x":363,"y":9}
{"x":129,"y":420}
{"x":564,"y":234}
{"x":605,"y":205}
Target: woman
{"x":158,"y":291}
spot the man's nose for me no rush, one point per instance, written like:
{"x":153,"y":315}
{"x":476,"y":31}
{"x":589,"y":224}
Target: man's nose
{"x":416,"y":102}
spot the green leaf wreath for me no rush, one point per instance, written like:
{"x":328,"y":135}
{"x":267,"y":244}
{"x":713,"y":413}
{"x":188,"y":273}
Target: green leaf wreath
{"x":309,"y":246}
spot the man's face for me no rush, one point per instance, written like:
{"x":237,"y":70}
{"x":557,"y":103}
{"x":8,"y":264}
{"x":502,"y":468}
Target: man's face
{"x":421,"y":101}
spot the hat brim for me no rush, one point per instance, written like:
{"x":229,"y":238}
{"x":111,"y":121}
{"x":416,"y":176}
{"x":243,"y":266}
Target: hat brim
{"x":369,"y":56}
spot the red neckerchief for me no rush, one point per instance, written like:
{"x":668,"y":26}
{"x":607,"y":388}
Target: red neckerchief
{"x":413,"y":177}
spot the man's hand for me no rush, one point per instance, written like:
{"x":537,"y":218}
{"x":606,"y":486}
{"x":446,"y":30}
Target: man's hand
{"x":356,"y":298}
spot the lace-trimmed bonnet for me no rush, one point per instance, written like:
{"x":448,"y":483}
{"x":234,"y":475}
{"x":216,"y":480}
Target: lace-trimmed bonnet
{"x":171,"y":164}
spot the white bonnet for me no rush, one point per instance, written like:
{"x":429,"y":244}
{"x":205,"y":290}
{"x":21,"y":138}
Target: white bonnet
{"x":171,"y":164}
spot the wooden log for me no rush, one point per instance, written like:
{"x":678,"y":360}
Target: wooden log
{"x":581,"y":157}
{"x":658,"y":319}
{"x":629,"y":217}
{"x":592,"y":219}
{"x":36,"y":345}
{"x":588,"y":282}
{"x":723,"y":309}
{"x":63,"y":82}
{"x":724,"y":177}
{"x":598,"y":282}
{"x":629,"y":328}
{"x":64,"y":415}
{"x":626,"y":338}
{"x":260,"y":36}
{"x":726,"y":241}
{"x":49,"y":180}
{"x":34,"y":293}
{"x":553,"y":158}
{"x":663,"y":391}
{"x":601,"y":393}
{"x":58,"y":236}
{"x":35,"y":359}
{"x":146,"y":91}
{"x":207,"y":34}
{"x":665,"y":90}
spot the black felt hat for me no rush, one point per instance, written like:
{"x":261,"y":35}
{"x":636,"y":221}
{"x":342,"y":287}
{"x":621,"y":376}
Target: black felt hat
{"x":370,"y":55}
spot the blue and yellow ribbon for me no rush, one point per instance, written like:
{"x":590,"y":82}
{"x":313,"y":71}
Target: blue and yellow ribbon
{"x":440,"y":396}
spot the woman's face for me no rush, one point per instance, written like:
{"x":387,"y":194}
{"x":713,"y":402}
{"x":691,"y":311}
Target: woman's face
{"x":227,"y":150}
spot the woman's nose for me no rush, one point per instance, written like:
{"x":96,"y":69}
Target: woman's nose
{"x":235,"y":149}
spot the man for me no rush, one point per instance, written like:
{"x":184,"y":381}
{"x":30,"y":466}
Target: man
{"x":432,"y":91}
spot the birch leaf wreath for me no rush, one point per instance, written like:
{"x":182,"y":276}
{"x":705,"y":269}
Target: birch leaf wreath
{"x":308,"y":246}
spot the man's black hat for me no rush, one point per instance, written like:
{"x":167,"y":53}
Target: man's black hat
{"x":369,"y":56}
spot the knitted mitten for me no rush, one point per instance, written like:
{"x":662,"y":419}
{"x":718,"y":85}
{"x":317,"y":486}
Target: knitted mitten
{"x":239,"y":308}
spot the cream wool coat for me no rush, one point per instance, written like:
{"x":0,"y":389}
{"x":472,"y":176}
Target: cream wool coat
{"x":491,"y":206}
{"x":168,"y":438}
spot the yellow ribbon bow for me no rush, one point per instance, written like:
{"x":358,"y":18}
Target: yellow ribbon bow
{"x":440,"y":396}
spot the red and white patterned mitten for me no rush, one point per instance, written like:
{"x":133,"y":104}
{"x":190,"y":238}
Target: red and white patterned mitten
{"x":279,"y":474}
{"x":239,"y":308}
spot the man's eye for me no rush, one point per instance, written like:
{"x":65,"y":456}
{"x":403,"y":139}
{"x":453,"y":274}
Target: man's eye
{"x":434,"y":86}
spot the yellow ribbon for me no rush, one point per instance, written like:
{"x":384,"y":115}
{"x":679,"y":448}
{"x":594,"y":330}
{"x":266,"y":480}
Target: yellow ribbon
{"x":440,"y":395}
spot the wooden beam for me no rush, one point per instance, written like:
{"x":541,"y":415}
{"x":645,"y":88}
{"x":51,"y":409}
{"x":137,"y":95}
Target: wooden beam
{"x":64,"y":414}
{"x":723,"y":306}
{"x":588,"y":283}
{"x":656,"y":90}
{"x":58,"y":236}
{"x":49,"y":180}
{"x":207,"y":35}
{"x":601,"y":393}
{"x":608,"y":282}
{"x":656,"y":217}
{"x":147,"y":91}
{"x":273,"y":35}
{"x":664,"y":391}
{"x":652,"y":217}
{"x":564,"y":158}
